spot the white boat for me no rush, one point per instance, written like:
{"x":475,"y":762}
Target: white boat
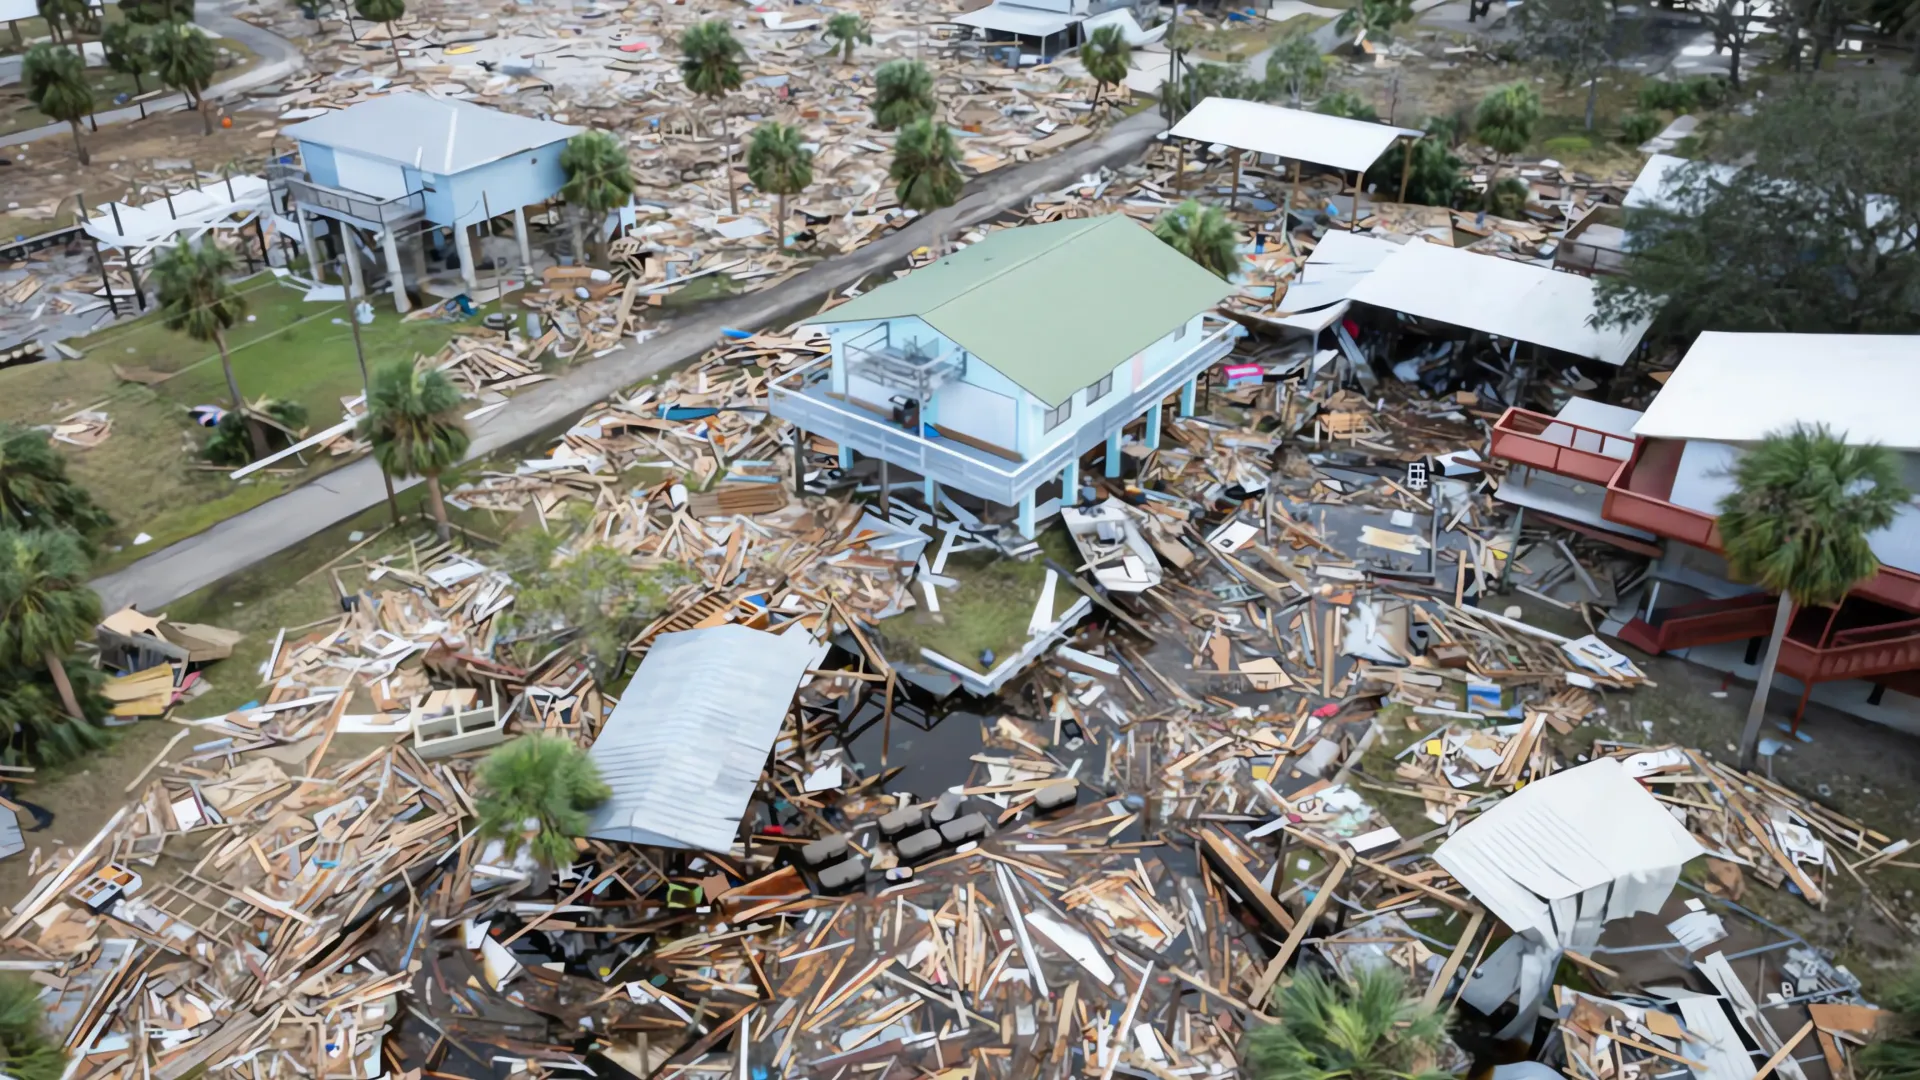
{"x":1112,"y":547}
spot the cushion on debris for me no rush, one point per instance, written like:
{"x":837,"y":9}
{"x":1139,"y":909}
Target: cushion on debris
{"x":900,"y":821}
{"x":824,"y":850}
{"x":843,"y":875}
{"x":971,"y":827}
{"x":917,"y":845}
{"x":1055,"y":796}
{"x":947,"y":806}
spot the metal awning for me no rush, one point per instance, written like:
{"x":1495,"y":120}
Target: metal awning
{"x":1334,"y":141}
{"x":684,"y":748}
{"x":1514,"y":300}
{"x":1017,"y":19}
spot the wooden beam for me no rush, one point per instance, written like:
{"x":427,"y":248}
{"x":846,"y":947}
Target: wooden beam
{"x":1439,"y":988}
{"x":1251,"y":891}
{"x":1786,"y":1048}
{"x":1321,"y":898}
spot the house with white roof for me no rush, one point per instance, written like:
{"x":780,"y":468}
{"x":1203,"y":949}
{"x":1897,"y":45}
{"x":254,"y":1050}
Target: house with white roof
{"x":1652,"y":481}
{"x":410,"y":170}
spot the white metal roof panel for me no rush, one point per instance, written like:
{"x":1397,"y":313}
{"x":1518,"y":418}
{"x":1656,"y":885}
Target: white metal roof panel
{"x":436,"y":135}
{"x":1740,"y":388}
{"x":684,"y":748}
{"x":1335,"y":141}
{"x":1559,"y":837}
{"x":1498,"y":296}
{"x":1017,"y":19}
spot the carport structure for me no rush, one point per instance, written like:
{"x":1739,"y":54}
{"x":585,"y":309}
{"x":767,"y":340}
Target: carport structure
{"x":1335,"y":142}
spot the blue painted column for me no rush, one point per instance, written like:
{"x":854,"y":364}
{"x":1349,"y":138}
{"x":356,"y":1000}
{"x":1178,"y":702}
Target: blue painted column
{"x":846,"y":458}
{"x":1070,"y":484}
{"x":1025,"y":519}
{"x":1187,"y":391}
{"x":932,"y":492}
{"x":1153,"y":427}
{"x":1113,"y":454}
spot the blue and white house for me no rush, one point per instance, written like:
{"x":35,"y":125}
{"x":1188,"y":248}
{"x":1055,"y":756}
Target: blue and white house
{"x":411,"y":164}
{"x":995,"y":370}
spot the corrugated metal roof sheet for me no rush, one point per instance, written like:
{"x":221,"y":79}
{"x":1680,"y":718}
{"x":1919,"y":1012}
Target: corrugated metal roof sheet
{"x":1343,"y":143}
{"x":1498,"y":296}
{"x":1052,"y":307}
{"x":684,"y":748}
{"x":435,"y":135}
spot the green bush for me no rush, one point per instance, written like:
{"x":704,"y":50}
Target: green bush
{"x":1700,"y":92}
{"x":229,"y":444}
{"x":1510,"y":198}
{"x":1348,"y":104}
{"x":1638,"y":127}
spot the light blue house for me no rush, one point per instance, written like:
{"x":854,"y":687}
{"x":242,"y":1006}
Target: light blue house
{"x":410,"y":165}
{"x":997,"y":369}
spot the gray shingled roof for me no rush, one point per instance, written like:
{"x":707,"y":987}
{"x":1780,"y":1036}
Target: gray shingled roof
{"x":435,"y":135}
{"x":684,"y":748}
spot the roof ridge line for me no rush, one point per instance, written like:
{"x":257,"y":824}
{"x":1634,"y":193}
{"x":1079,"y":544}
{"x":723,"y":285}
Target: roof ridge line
{"x":1016,"y":264}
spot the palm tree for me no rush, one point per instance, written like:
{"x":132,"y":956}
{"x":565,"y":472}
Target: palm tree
{"x":538,"y":784}
{"x":183,"y":58}
{"x":1374,"y":20}
{"x":926,"y":166}
{"x":711,"y":68}
{"x":197,"y":299}
{"x":1368,"y":1030}
{"x":63,"y":16}
{"x":902,"y":93}
{"x":413,"y":420}
{"x":385,"y":12}
{"x":56,"y":81}
{"x":35,"y":491}
{"x":1202,"y":234}
{"x":1796,"y":523}
{"x":27,"y":1052}
{"x":599,"y":178}
{"x":35,"y":727}
{"x":129,"y":51}
{"x":1106,"y":56}
{"x":1504,"y":121}
{"x":845,"y":30}
{"x":779,"y":162}
{"x":1296,"y":67}
{"x":45,"y":605}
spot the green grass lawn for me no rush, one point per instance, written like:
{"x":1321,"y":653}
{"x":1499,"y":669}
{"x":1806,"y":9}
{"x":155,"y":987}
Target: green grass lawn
{"x":19,"y":114}
{"x":147,"y":472}
{"x":990,"y":609}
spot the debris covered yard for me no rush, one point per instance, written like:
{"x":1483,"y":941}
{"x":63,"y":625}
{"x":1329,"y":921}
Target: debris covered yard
{"x":1325,"y":739}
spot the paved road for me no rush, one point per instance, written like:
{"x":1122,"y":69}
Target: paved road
{"x":243,"y":540}
{"x":278,"y":59}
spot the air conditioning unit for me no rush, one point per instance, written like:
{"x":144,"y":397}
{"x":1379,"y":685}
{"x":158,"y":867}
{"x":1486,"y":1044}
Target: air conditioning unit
{"x":906,"y":413}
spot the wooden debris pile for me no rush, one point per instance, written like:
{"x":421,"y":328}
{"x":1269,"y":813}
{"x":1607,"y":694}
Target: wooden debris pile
{"x":223,"y":922}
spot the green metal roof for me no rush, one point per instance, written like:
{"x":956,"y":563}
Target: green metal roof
{"x":1052,"y":307}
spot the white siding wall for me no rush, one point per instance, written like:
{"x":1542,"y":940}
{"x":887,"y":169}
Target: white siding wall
{"x":379,"y":179}
{"x":1702,"y":480}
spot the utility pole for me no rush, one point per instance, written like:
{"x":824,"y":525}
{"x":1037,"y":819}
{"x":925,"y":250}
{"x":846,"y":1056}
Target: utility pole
{"x":366,"y":384}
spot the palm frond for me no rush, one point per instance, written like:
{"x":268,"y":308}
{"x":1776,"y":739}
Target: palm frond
{"x":902,"y":94}
{"x":414,"y":421}
{"x":1369,"y":1029}
{"x":45,"y":604}
{"x":1803,"y":506}
{"x":541,"y":785}
{"x":926,"y":166}
{"x":710,"y":64}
